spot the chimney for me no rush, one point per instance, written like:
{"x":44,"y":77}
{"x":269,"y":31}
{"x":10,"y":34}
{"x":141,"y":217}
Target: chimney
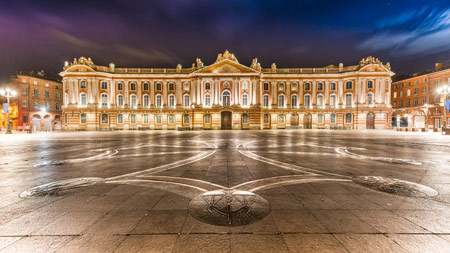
{"x":438,"y":66}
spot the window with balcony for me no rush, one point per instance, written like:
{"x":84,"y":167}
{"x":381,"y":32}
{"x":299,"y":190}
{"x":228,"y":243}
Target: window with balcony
{"x":294,"y":100}
{"x":208,"y":100}
{"x":104,"y":99}
{"x":244,"y":100}
{"x":307,"y":101}
{"x":333,"y":100}
{"x":83,"y":99}
{"x":320,"y":100}
{"x":158,"y":101}
{"x":370,"y":98}
{"x":348,"y":99}
{"x":186,"y":100}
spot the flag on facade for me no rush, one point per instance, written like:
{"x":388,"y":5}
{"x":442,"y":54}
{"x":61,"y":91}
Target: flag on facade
{"x":5,"y":107}
{"x":447,"y":105}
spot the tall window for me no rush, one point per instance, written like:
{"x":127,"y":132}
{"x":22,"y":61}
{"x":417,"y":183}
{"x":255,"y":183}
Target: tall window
{"x":104,"y":99}
{"x":158,"y":119}
{"x":207,"y":118}
{"x":145,"y":86}
{"x":348,"y":85}
{"x":333,"y":118}
{"x":207,"y":86}
{"x":370,"y":98}
{"x":120,"y":100}
{"x":120,"y":86}
{"x":82,"y":84}
{"x":370,"y":84}
{"x":320,"y":118}
{"x":36,"y":104}
{"x":245,"y":118}
{"x":348,"y":99}
{"x":120,"y":118}
{"x":244,"y":99}
{"x":320,"y":100}
{"x":280,"y":118}
{"x":171,"y":86}
{"x":171,"y":119}
{"x":158,"y":101}
{"x":266,"y":118}
{"x":348,"y":118}
{"x":24,"y":91}
{"x":266,"y":100}
{"x":307,"y":86}
{"x":266,"y":86}
{"x":281,"y":86}
{"x":307,"y":100}
{"x":24,"y":104}
{"x":133,"y":118}
{"x":186,"y":86}
{"x":319,"y":86}
{"x":186,"y":119}
{"x":207,"y":100}
{"x":294,"y":100}
{"x":333,"y":100}
{"x":104,"y":118}
{"x":281,"y":100}
{"x":133,"y":101}
{"x":35,"y":92}
{"x":333,"y":86}
{"x":424,"y":100}
{"x":245,"y":85}
{"x":146,"y":100}
{"x":145,"y":118}
{"x":47,"y":104}
{"x":83,"y":118}
{"x":186,"y":100}
{"x":83,"y":99}
{"x":158,"y":86}
{"x":132,"y":86}
{"x":104,"y":86}
{"x":171,"y":101}
{"x":57,"y":95}
{"x":226,"y":97}
{"x":47,"y":94}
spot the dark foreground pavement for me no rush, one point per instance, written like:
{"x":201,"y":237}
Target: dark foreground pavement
{"x":293,"y":191}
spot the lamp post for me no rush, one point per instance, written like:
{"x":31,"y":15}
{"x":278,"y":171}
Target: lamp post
{"x":8,"y":93}
{"x":444,"y":90}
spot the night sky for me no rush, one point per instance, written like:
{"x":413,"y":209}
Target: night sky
{"x":41,"y":35}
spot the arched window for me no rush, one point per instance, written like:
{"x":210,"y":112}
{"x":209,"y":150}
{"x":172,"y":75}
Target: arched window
{"x":348,"y":118}
{"x":333,"y":86}
{"x":294,"y":86}
{"x":348,"y":85}
{"x":171,"y":101}
{"x":281,"y":100}
{"x":333,"y":100}
{"x":83,"y":84}
{"x":133,"y":86}
{"x":120,"y":118}
{"x":119,"y":86}
{"x":83,"y":99}
{"x":319,"y":86}
{"x":207,"y":86}
{"x":320,"y":118}
{"x":158,"y":101}
{"x":104,"y":118}
{"x":145,"y":86}
{"x":266,"y":100}
{"x":104,"y":99}
{"x":307,"y":100}
{"x":226,"y":97}
{"x":294,"y":100}
{"x":186,"y":118}
{"x":370,"y":98}
{"x":245,"y":85}
{"x":244,"y":99}
{"x":370,"y":84}
{"x":207,"y":100}
{"x":333,"y":118}
{"x":281,"y":86}
{"x":320,"y":100}
{"x":120,"y":100}
{"x":171,"y":86}
{"x":348,"y":99}
{"x":186,"y":100}
{"x":146,"y":100}
{"x":307,"y":86}
{"x":158,"y":86}
{"x":133,"y":101}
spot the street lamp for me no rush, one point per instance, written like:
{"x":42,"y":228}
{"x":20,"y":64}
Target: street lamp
{"x":444,"y":90}
{"x":8,"y":93}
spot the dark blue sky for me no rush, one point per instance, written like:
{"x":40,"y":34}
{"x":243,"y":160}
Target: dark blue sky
{"x":36,"y":35}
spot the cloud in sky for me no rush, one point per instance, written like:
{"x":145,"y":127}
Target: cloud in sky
{"x":414,"y":32}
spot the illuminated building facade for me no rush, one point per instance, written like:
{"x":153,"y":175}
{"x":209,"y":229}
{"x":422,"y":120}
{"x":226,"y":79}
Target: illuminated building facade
{"x":226,"y":95}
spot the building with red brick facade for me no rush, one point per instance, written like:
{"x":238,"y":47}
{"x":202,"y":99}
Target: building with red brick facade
{"x":416,"y":102}
{"x":39,"y":101}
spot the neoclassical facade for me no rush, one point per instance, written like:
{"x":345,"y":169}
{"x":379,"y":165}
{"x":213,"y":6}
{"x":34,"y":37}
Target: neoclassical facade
{"x":226,"y":95}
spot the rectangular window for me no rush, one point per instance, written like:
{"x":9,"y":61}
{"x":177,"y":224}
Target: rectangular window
{"x":333,"y":118}
{"x":25,"y":119}
{"x":424,"y":89}
{"x":266,"y":100}
{"x":333,"y":100}
{"x":83,"y":118}
{"x":424,"y":100}
{"x":245,"y":118}
{"x":266,"y":118}
{"x":35,"y":92}
{"x":416,"y":90}
{"x":207,"y":118}
{"x":333,"y":86}
{"x":58,"y":107}
{"x":24,"y":104}
{"x":47,"y":105}
{"x":65,"y":118}
{"x":245,"y":85}
{"x":348,"y":85}
{"x":24,"y":91}
{"x":47,"y":94}
{"x":401,"y":93}
{"x":408,"y":92}
{"x":320,"y":118}
{"x":307,"y":86}
{"x":401,"y":103}
{"x":207,"y":86}
{"x":83,"y":84}
{"x":266,"y":86}
{"x":145,"y":118}
{"x":171,"y":119}
{"x":416,"y":101}
{"x":348,"y":118}
{"x":120,"y":118}
{"x":36,"y":104}
{"x":57,"y":95}
{"x":280,"y":118}
{"x":104,"y":118}
{"x":319,"y":86}
{"x":158,"y":119}
{"x":133,"y":118}
{"x":104,"y":85}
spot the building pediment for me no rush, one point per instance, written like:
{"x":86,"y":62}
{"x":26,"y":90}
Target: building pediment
{"x":79,"y":68}
{"x":226,"y":66}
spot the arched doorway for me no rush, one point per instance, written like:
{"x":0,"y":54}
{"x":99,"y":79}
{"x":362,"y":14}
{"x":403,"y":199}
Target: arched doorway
{"x":294,"y":120}
{"x":370,"y":121}
{"x":226,"y":98}
{"x":419,"y":120}
{"x":36,"y":122}
{"x":57,"y":123}
{"x":307,"y":121}
{"x":225,"y":120}
{"x":48,"y":123}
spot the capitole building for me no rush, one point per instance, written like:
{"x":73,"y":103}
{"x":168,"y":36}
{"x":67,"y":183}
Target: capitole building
{"x":226,"y":95}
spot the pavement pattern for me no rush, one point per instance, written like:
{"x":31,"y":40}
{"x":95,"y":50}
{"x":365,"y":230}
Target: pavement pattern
{"x":225,"y":191}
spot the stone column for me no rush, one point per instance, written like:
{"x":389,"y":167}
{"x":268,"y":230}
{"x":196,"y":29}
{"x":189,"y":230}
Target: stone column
{"x":288,"y":94}
{"x":179,"y":88}
{"x":152,"y":94}
{"x":340,"y":84}
{"x":164,"y":95}
{"x":314,"y":93}
{"x":273,"y":87}
{"x":327,"y":93}
{"x":300,"y":93}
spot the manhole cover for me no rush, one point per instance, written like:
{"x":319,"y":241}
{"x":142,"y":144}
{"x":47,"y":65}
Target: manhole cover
{"x":229,"y":207}
{"x":396,"y":186}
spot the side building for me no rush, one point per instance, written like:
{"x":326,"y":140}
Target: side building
{"x":417,"y":104}
{"x":39,"y":102}
{"x":226,"y":95}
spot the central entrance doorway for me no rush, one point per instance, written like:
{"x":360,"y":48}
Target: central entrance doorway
{"x":225,"y":120}
{"x":307,"y":121}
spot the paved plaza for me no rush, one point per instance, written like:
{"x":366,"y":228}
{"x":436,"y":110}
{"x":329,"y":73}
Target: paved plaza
{"x":225,"y":191}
